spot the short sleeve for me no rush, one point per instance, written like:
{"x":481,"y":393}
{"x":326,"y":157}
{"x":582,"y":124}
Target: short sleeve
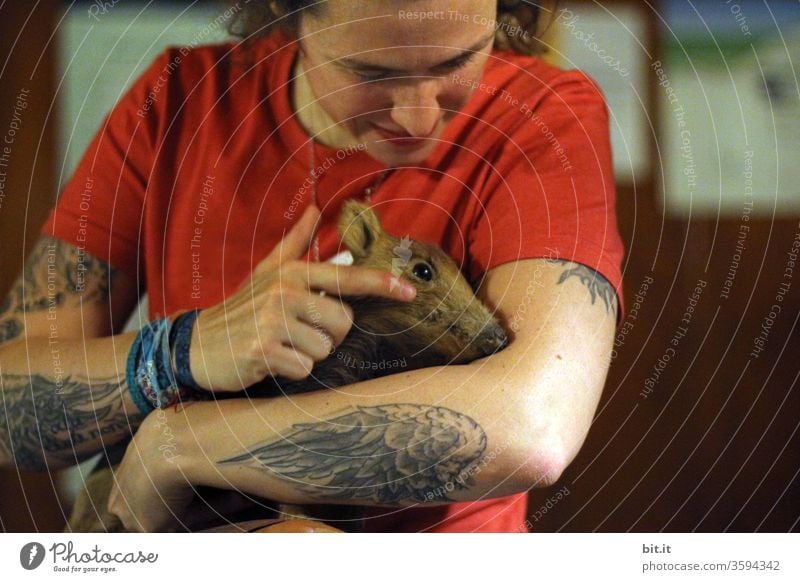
{"x":551,"y":191}
{"x":100,"y":210}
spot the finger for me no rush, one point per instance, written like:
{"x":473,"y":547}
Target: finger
{"x":326,"y":315}
{"x":299,"y":526}
{"x":118,"y":508}
{"x":295,"y":243}
{"x":288,"y":363}
{"x":354,"y":281}
{"x":310,"y":340}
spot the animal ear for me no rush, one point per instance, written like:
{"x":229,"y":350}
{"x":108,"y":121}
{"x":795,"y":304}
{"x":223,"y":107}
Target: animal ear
{"x":359,"y":228}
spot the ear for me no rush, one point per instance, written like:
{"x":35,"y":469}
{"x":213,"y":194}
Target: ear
{"x":276,"y":9}
{"x":359,"y":228}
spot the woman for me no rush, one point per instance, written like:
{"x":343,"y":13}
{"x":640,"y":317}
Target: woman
{"x":203,"y":187}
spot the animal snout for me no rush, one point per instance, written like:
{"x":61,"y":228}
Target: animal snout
{"x":493,"y":338}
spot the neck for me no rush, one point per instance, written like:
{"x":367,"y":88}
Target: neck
{"x":311,"y":116}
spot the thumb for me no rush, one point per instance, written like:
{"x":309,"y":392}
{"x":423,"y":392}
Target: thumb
{"x":295,"y":243}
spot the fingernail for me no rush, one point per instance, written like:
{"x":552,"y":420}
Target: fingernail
{"x":408,"y":291}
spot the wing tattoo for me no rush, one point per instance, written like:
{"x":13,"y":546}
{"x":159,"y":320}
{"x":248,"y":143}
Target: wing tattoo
{"x":386,"y":454}
{"x":58,"y":419}
{"x":596,"y":283}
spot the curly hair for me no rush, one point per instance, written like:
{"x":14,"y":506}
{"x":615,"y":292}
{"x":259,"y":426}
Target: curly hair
{"x":519,"y":22}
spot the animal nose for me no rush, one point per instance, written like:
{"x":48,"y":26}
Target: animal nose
{"x":494,"y":339}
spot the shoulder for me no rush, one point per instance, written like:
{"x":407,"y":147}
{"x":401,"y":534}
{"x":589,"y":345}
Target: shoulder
{"x":191,"y":65}
{"x":529,"y":82}
{"x":196,"y":79}
{"x":521,"y":97}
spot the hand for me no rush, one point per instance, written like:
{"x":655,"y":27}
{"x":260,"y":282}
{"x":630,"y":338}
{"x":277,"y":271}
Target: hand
{"x":154,"y":485}
{"x":277,"y":323}
{"x":299,"y":526}
{"x":150,"y":491}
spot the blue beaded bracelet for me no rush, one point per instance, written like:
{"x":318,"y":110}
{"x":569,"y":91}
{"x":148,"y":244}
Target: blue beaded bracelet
{"x":146,"y":372}
{"x":130,"y":376}
{"x":170,"y":391}
{"x":152,"y":381}
{"x":166,"y":390}
{"x":182,"y":343}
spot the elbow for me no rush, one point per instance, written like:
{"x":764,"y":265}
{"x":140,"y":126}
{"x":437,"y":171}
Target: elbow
{"x":540,"y":456}
{"x":26,"y":459}
{"x":541,"y":466}
{"x":25,"y":464}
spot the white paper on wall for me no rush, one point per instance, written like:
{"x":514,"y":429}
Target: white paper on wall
{"x":730,"y":109}
{"x":608,"y":43}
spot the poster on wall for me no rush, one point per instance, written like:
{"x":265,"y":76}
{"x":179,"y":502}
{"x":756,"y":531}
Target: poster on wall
{"x":729,"y":107}
{"x":609,"y":43}
{"x":103,"y":48}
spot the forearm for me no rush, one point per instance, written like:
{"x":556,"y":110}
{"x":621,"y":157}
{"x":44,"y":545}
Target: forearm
{"x":64,"y":401}
{"x":435,"y":436}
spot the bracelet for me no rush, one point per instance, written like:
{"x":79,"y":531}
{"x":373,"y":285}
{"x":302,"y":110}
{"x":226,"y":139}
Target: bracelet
{"x":152,"y":381}
{"x":181,"y":342}
{"x":147,"y":374}
{"x":131,"y":378}
{"x":167,"y":392}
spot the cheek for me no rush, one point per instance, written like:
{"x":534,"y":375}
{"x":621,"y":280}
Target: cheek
{"x":456,"y":97}
{"x":453,"y":98}
{"x":460,"y":87}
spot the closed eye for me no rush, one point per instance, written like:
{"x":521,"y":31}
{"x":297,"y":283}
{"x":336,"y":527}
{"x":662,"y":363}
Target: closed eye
{"x":456,"y":63}
{"x":443,"y":69}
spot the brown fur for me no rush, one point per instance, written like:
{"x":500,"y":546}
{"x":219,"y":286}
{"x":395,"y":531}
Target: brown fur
{"x":445,"y":324}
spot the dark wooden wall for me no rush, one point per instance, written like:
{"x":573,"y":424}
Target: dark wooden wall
{"x":713,"y":447}
{"x":27,"y":58}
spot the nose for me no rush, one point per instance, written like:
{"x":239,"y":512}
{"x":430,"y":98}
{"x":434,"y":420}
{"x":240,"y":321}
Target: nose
{"x":493,"y":339}
{"x":415,"y":107}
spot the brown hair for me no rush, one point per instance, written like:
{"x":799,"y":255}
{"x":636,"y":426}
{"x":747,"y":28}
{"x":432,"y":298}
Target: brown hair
{"x":519,"y":22}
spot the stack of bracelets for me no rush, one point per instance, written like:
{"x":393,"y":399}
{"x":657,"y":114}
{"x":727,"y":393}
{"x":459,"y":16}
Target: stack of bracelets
{"x":151,"y":379}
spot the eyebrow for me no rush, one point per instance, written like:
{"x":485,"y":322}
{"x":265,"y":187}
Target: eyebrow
{"x":356,"y":64}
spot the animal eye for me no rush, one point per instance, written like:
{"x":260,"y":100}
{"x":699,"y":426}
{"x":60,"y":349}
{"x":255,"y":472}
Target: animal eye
{"x":423,"y":271}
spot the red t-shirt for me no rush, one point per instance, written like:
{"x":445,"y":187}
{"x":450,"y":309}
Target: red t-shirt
{"x":198,"y":171}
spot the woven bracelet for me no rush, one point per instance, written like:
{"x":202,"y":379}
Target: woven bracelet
{"x":166,"y":391}
{"x":182,"y":343}
{"x":130,"y":376}
{"x":147,"y":372}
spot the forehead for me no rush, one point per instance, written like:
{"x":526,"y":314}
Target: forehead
{"x":413,"y":31}
{"x":437,"y":256}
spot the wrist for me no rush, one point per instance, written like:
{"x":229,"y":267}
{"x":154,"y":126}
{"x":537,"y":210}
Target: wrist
{"x":169,"y":433}
{"x":207,"y":432}
{"x":182,"y":347}
{"x":196,"y":362}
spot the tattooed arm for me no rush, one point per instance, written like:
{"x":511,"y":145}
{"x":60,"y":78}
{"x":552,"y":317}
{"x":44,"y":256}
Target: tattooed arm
{"x":62,"y":382}
{"x":498,"y":426}
{"x":600,"y":290}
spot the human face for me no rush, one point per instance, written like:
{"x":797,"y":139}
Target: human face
{"x":384,"y":76}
